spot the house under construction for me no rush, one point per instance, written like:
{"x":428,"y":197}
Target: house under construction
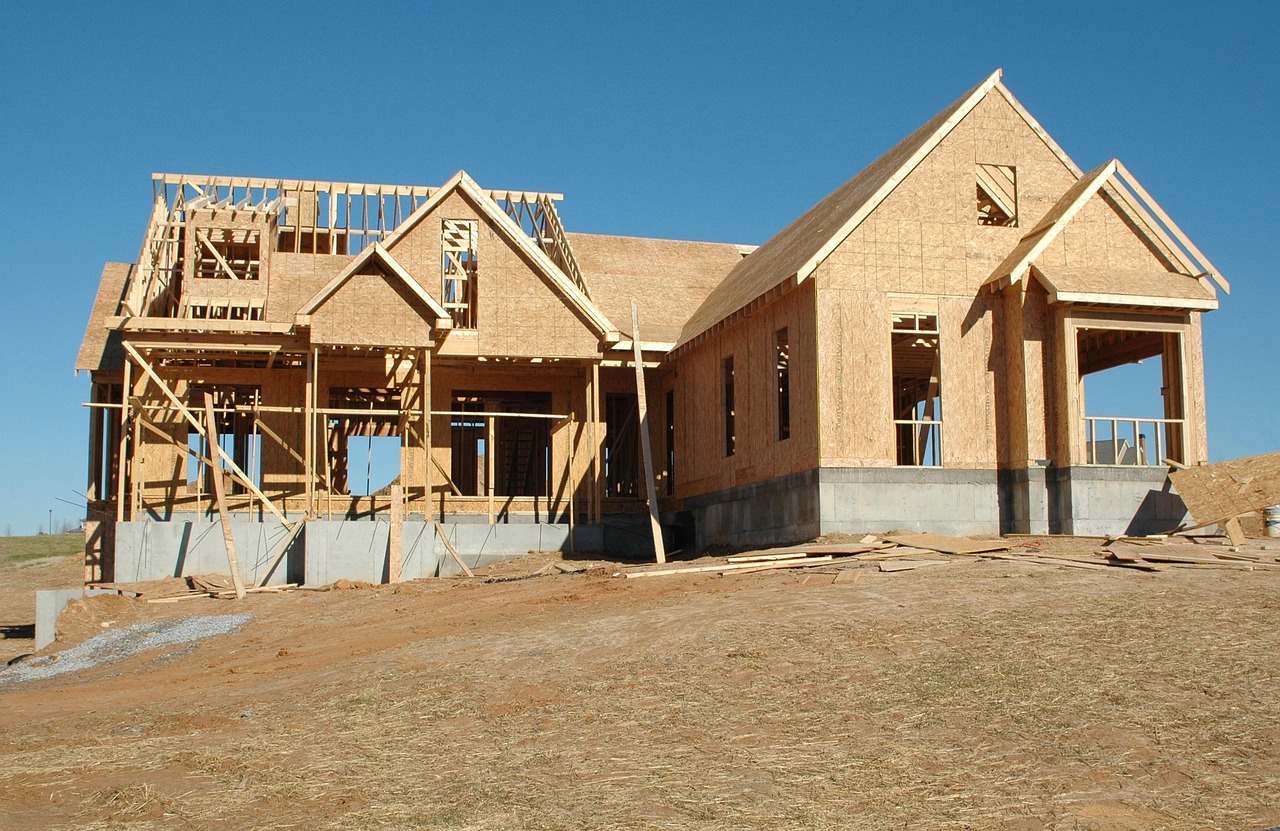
{"x":340,"y":370}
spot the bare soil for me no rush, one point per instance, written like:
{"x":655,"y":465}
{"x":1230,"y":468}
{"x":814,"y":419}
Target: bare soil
{"x":979,"y":695}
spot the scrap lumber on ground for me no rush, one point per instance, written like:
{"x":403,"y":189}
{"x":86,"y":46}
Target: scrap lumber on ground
{"x":1155,"y":553}
{"x":948,"y":545}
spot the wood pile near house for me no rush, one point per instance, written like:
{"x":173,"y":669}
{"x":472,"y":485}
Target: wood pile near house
{"x":910,"y":551}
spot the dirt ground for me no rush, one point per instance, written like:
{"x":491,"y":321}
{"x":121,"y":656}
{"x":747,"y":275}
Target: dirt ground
{"x":980,"y":695}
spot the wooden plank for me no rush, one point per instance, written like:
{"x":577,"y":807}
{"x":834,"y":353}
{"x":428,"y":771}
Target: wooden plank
{"x":901,"y":565}
{"x":948,"y":545}
{"x":645,"y":450}
{"x":663,"y":572}
{"x":395,"y":537}
{"x":1234,"y":532}
{"x":761,"y":558}
{"x":220,"y":495}
{"x":453,"y":552}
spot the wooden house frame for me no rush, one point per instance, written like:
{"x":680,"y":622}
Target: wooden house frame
{"x":908,"y":353}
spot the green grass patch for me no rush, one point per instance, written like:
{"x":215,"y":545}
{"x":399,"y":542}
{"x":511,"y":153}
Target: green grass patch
{"x":21,"y":549}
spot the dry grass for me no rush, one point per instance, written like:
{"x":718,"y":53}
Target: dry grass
{"x":995,"y":696}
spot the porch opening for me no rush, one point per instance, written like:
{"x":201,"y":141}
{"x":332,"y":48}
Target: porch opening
{"x":1132,"y":397}
{"x":521,"y":463}
{"x":621,"y":445}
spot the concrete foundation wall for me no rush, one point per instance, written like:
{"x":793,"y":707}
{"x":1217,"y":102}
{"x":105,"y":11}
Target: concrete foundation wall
{"x":1024,"y":501}
{"x":150,"y":550}
{"x":938,"y":500}
{"x":1097,"y":501}
{"x":329,"y":550}
{"x":773,"y":512}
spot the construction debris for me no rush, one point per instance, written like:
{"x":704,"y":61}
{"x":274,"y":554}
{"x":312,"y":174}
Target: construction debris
{"x":1218,"y":493}
{"x":908,"y":552}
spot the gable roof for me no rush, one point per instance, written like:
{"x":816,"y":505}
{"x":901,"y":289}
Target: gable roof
{"x":794,"y":253}
{"x":668,"y":279}
{"x":374,"y":252}
{"x":1120,"y":185}
{"x":460,"y":182}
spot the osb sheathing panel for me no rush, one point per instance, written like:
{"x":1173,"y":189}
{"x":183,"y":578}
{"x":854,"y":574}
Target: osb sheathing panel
{"x":373,"y":309}
{"x":925,"y":237}
{"x":518,"y":312}
{"x":854,"y":378}
{"x":1021,"y":388}
{"x":1100,"y":237}
{"x":1197,"y":413}
{"x":98,"y":350}
{"x":967,"y":381}
{"x":701,"y":465}
{"x":295,"y":279}
{"x":1223,"y":490}
{"x":668,"y":279}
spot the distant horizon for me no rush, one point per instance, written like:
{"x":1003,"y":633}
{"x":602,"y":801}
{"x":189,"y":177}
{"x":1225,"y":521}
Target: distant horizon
{"x":656,"y":121}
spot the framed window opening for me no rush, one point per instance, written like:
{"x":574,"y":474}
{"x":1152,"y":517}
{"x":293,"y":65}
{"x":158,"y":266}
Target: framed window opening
{"x":459,"y":268}
{"x":782,"y":387}
{"x":730,"y":431}
{"x":917,"y":389}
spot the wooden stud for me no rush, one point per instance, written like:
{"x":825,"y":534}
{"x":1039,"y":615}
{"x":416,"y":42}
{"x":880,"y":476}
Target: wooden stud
{"x":453,"y":552}
{"x":646,"y":452}
{"x":219,"y":494}
{"x":395,"y":537}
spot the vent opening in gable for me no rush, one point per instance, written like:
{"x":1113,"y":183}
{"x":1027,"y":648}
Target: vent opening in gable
{"x":997,"y":195}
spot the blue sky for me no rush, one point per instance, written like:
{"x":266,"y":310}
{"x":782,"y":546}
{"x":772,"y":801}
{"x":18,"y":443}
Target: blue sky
{"x":701,"y":122}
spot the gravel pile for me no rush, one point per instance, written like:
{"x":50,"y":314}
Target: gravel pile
{"x":119,"y":644}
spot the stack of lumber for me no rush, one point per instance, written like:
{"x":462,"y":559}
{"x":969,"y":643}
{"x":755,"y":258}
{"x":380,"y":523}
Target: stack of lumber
{"x":907,"y":552}
{"x":205,"y":585}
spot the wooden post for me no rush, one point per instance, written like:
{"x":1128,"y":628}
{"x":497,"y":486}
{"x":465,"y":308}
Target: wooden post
{"x":573,"y":483}
{"x":489,"y":432}
{"x":308,"y":437}
{"x":395,"y":538}
{"x":122,"y":440}
{"x":424,"y":380}
{"x":218,"y":493}
{"x":597,"y":484}
{"x":642,"y":411}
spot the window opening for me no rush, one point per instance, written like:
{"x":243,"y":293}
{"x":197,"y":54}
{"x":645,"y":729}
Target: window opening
{"x":917,"y":393}
{"x":671,"y":442}
{"x":621,"y":445}
{"x":997,"y":195}
{"x":228,"y":254}
{"x":238,"y":437}
{"x":782,"y":367}
{"x":730,"y":436}
{"x":364,"y":449}
{"x":458,"y":270}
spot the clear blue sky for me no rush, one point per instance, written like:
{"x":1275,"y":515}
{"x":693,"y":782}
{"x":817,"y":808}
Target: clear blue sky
{"x":653,"y":119}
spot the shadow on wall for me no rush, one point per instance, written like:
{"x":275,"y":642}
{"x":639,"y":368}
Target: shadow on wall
{"x":1160,"y":512}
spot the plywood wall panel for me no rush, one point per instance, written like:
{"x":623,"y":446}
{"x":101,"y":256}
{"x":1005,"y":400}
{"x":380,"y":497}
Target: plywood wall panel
{"x":701,"y":465}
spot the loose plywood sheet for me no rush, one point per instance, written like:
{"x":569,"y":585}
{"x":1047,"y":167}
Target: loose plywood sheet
{"x":1226,"y":489}
{"x":948,"y":545}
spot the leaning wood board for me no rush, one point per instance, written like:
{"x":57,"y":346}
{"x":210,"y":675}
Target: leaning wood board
{"x":1226,"y":489}
{"x":948,"y":545}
